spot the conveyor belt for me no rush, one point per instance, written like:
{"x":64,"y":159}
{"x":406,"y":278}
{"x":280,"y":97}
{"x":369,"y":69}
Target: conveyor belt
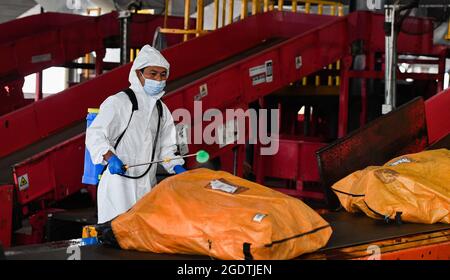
{"x":355,"y":229}
{"x":58,"y":251}
{"x":7,"y":162}
{"x":348,"y":230}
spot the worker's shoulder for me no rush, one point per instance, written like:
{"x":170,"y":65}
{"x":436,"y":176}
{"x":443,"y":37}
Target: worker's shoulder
{"x":120,"y":97}
{"x":118,"y":100}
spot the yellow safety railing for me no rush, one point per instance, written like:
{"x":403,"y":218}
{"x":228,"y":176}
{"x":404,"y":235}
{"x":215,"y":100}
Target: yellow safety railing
{"x":226,"y":11}
{"x":94,"y":11}
{"x":336,"y":9}
{"x":88,"y":56}
{"x":199,"y":30}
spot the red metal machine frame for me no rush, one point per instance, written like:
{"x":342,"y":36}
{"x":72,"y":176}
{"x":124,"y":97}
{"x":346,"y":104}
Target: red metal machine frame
{"x":437,"y":112}
{"x":6,"y":202}
{"x":292,"y":161}
{"x":429,"y":246}
{"x":34,"y":43}
{"x":312,"y":37}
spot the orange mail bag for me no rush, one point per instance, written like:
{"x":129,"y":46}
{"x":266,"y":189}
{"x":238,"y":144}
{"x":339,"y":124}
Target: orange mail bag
{"x":206,"y":212}
{"x":413,"y":188}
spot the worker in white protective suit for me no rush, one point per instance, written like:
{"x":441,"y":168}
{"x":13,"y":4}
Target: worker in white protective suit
{"x":117,"y":194}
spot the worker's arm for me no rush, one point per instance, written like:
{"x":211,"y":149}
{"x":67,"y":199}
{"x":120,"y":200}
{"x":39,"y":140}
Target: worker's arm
{"x":169,"y":142}
{"x":104,"y":130}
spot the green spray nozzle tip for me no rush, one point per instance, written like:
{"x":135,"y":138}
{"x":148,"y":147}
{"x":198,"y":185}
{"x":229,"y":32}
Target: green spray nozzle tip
{"x":202,"y":156}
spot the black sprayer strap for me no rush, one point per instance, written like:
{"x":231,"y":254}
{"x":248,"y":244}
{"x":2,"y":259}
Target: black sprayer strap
{"x":132,"y":96}
{"x":129,"y":92}
{"x":159,"y":107}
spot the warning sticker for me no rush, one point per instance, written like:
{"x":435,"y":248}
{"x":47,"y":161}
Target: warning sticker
{"x":269,"y":71}
{"x":203,"y":91}
{"x":261,"y":73}
{"x":23,"y":182}
{"x":298,"y":62}
{"x":41,"y":58}
{"x":223,"y":185}
{"x":400,"y":161}
{"x":259,"y":79}
{"x":257,"y":70}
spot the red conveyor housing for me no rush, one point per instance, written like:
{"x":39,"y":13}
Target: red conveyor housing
{"x":31,"y":44}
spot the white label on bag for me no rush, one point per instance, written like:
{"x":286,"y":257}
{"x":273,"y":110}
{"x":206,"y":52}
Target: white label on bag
{"x":261,"y":73}
{"x":259,"y":217}
{"x":218,"y":185}
{"x":257,"y":70}
{"x":399,"y":161}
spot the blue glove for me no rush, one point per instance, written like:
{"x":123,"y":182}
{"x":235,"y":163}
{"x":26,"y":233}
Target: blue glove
{"x":179,"y":169}
{"x":115,"y":165}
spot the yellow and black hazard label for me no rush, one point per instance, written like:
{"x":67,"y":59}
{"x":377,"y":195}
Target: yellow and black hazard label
{"x":23,"y":182}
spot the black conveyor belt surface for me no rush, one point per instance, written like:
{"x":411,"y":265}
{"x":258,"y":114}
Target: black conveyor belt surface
{"x":354,"y":229}
{"x":58,"y":251}
{"x":348,"y":230}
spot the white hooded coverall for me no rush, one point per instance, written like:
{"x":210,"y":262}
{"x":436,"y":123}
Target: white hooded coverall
{"x":117,"y":194}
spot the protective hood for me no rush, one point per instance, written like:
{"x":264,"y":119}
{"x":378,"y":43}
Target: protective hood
{"x":148,"y":56}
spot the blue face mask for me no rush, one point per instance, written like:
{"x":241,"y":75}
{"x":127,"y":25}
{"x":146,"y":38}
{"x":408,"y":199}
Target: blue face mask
{"x":153,"y":87}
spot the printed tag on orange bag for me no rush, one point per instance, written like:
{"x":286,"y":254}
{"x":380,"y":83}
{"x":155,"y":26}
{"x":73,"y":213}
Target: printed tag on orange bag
{"x":259,"y":217}
{"x":225,"y":186}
